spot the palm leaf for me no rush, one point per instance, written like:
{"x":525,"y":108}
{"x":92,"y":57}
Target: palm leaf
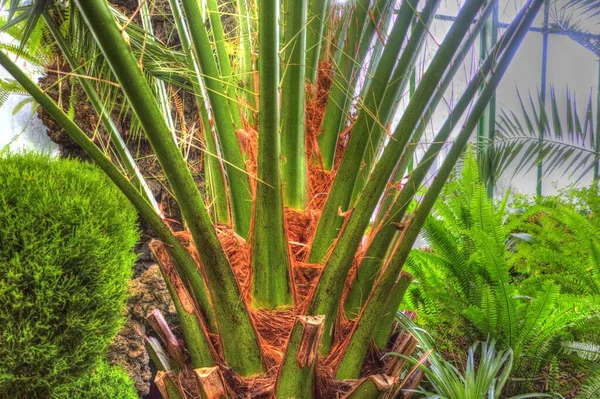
{"x":590,"y":7}
{"x":517,"y":141}
{"x":18,"y":12}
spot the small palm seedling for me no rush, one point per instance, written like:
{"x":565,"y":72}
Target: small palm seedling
{"x":266,"y":262}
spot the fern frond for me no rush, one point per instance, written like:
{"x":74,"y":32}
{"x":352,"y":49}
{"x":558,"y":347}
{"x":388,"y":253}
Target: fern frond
{"x":538,"y":312}
{"x":12,"y":87}
{"x":585,"y":350}
{"x":21,"y":104}
{"x":590,"y":388}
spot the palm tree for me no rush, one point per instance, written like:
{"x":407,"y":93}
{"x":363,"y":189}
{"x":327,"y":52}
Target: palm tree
{"x":267,"y":261}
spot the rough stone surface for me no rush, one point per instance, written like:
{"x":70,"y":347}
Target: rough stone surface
{"x":148,"y":292}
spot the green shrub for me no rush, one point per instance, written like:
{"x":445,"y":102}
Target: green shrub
{"x":66,"y":239}
{"x":105,"y":382}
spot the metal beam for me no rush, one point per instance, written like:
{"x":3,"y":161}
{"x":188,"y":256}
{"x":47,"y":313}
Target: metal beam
{"x":543,"y":93}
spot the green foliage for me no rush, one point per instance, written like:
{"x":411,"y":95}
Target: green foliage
{"x":466,"y":285}
{"x":591,"y":388}
{"x":565,"y":249}
{"x":105,"y":382}
{"x":483,"y":376}
{"x":65,"y":258}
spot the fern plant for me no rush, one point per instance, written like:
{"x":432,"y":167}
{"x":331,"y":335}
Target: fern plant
{"x":591,"y":388}
{"x":564,"y":248}
{"x":466,"y":278}
{"x":264,"y":264}
{"x":565,"y":252}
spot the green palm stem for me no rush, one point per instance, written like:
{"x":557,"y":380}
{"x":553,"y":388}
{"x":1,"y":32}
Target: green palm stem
{"x":388,"y":103}
{"x":339,"y":197}
{"x":348,"y":172}
{"x":461,"y":105}
{"x":161,"y":89}
{"x":214,"y":172}
{"x":393,"y":208}
{"x":391,"y":193}
{"x":239,"y":184}
{"x":181,"y":258}
{"x":341,"y":88}
{"x":160,"y":360}
{"x":335,"y":31}
{"x":392,"y":95}
{"x":342,"y":93}
{"x":381,"y":12}
{"x":296,"y":376}
{"x":246,"y":67}
{"x":374,"y":386}
{"x":224,"y":62}
{"x":406,"y":163}
{"x":385,"y":15}
{"x":491,"y":113}
{"x":328,"y":292}
{"x":318,"y":11}
{"x":238,"y":337}
{"x":197,"y":342}
{"x":363,"y":331}
{"x":271,"y":284}
{"x":293,"y":148}
{"x":391,"y":308}
{"x":104,"y":115}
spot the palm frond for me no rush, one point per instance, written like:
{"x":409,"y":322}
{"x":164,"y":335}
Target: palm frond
{"x":570,"y":25}
{"x":560,"y":139}
{"x":30,"y":14}
{"x":591,"y":7}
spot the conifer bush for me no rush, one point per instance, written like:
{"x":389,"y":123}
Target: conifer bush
{"x":66,"y":242}
{"x":104,"y":382}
